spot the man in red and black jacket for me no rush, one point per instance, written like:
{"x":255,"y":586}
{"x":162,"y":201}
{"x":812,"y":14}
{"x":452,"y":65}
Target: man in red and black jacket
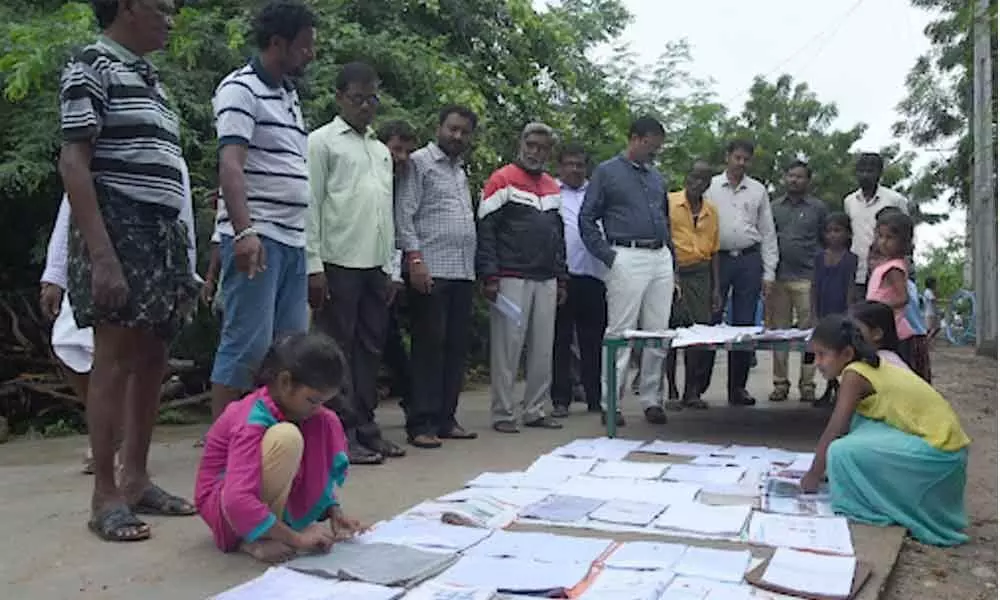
{"x":521,"y":260}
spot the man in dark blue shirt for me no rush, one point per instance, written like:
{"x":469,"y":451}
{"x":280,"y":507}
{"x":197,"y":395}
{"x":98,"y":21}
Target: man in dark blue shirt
{"x":627,"y":196}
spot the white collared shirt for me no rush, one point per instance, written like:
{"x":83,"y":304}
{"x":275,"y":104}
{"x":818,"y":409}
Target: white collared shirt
{"x":862,"y":213}
{"x":579,"y":260}
{"x":745,"y":219}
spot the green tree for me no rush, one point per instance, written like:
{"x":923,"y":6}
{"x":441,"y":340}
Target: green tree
{"x":938,"y":104}
{"x":787,"y":122}
{"x":946,"y":264}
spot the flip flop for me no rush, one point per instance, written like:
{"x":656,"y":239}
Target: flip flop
{"x":157,"y":501}
{"x":388,"y":449}
{"x":114,"y":524}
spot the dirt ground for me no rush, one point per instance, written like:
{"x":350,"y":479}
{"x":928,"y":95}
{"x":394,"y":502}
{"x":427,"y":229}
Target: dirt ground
{"x":968,"y":572}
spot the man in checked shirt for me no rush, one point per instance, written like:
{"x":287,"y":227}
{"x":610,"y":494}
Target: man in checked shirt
{"x":436,"y":230}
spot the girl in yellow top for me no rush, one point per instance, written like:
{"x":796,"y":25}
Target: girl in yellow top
{"x":894,"y":451}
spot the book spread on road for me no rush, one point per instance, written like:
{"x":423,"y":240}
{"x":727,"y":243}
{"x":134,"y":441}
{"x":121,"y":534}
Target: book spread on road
{"x":515,"y":575}
{"x":819,"y":534}
{"x":811,"y":573}
{"x":705,"y":475}
{"x":696,"y":588}
{"x":641,"y":490}
{"x":645,"y":556}
{"x":560,"y":467}
{"x":698,"y":518}
{"x":628,"y":469}
{"x":484,"y":511}
{"x":623,"y":584}
{"x":424,"y":534}
{"x":679,"y":448}
{"x":281,"y":583}
{"x":561,"y":509}
{"x":599,"y":448}
{"x":382,"y":564}
{"x":541,"y":547}
{"x":710,"y":563}
{"x":627,"y":512}
{"x":438,"y":590}
{"x":515,"y":497}
{"x":515,"y":479}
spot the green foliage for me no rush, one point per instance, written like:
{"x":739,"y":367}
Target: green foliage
{"x":946,"y":264}
{"x":509,"y":61}
{"x":937,"y":109}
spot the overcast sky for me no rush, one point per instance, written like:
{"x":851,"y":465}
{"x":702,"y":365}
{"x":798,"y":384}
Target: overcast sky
{"x":855,"y":53}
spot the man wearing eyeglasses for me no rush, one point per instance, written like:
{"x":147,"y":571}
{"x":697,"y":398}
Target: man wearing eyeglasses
{"x":351,"y":250}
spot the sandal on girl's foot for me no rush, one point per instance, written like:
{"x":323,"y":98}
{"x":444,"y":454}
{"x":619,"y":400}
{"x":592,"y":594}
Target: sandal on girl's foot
{"x":118,"y":524}
{"x":157,"y":501}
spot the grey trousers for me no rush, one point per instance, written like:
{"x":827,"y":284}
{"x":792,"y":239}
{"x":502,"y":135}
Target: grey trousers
{"x":536,"y":332}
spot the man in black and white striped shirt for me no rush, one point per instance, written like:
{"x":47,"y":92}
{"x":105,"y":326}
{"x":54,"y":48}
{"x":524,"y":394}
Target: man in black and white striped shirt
{"x":128,"y":271}
{"x":265,"y":192}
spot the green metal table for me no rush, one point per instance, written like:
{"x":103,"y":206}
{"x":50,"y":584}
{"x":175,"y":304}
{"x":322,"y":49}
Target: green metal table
{"x":614,"y":345}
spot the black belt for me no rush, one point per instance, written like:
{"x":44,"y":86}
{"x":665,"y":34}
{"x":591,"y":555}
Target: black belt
{"x":754,"y":249}
{"x":642,"y":244}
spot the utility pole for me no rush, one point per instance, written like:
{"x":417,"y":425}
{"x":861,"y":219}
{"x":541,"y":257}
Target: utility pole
{"x":984,"y":194}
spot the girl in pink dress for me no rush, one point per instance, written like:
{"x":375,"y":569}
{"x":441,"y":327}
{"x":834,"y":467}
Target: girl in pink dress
{"x":273,"y":459}
{"x":888,"y":281}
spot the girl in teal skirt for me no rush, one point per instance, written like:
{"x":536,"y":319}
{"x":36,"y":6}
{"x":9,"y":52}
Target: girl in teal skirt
{"x":893,"y":450}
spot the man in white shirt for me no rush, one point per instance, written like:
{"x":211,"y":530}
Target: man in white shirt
{"x":862,"y":206}
{"x":748,"y":253}
{"x":585,"y":312}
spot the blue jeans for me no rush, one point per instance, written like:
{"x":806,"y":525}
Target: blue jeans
{"x":258,"y":310}
{"x":740,"y":276}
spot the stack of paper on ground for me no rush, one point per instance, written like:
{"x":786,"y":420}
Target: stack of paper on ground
{"x":598,"y":448}
{"x":515,"y":479}
{"x":280,"y":583}
{"x":645,"y":556}
{"x":695,"y":588}
{"x":383,"y":564}
{"x":810,"y":573}
{"x":541,"y":547}
{"x":424,"y":534}
{"x":627,"y":512}
{"x":701,"y":520}
{"x":514,"y":575}
{"x":784,"y":495}
{"x":819,"y":534}
{"x":515,"y":497}
{"x":625,"y":584}
{"x":437,"y":590}
{"x":688,"y":449}
{"x":628,"y":469}
{"x":477,"y":511}
{"x":561,"y":509}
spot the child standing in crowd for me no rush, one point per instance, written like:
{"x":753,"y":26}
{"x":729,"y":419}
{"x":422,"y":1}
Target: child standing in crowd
{"x":889,"y":283}
{"x":272,"y":459}
{"x":929,"y":302}
{"x":893,"y":450}
{"x":878,"y":324}
{"x":833,"y":280}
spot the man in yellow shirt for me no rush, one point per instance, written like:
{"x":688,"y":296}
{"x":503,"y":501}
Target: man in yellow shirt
{"x":694,"y":225}
{"x":351,"y":250}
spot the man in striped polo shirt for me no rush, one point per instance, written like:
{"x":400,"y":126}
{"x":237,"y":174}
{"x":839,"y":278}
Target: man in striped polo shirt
{"x":265,"y":191}
{"x":128,"y":271}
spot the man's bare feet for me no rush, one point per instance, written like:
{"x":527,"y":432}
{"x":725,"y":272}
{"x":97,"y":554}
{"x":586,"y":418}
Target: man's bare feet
{"x":268,"y":551}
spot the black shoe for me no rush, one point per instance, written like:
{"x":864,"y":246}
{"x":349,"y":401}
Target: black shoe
{"x":560,"y":412}
{"x":619,"y":419}
{"x":741,"y":399}
{"x":655,"y":415}
{"x":544,"y":423}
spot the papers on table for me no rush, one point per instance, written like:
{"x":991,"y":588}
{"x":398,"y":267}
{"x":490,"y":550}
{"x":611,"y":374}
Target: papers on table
{"x":513,"y":574}
{"x":599,"y":448}
{"x":703,"y":519}
{"x":438,"y":590}
{"x":803,"y":533}
{"x":627,"y":512}
{"x":628,"y":469}
{"x":621,"y":584}
{"x":280,"y":583}
{"x":540,"y":547}
{"x":679,"y":448}
{"x":424,"y":534}
{"x":383,"y":564}
{"x":561,"y":509}
{"x":645,"y":556}
{"x":811,"y":573}
{"x":705,"y":475}
{"x":709,"y":563}
{"x":514,"y":479}
{"x":509,"y":309}
{"x":712,"y":334}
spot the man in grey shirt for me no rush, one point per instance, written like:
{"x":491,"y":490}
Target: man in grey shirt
{"x":799,"y":219}
{"x":436,"y":229}
{"x":628,"y":197}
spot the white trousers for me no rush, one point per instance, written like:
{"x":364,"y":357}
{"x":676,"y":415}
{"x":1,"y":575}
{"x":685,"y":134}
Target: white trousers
{"x":640,"y":293}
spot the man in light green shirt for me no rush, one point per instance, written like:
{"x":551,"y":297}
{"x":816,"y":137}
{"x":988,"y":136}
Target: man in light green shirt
{"x":350,"y":250}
